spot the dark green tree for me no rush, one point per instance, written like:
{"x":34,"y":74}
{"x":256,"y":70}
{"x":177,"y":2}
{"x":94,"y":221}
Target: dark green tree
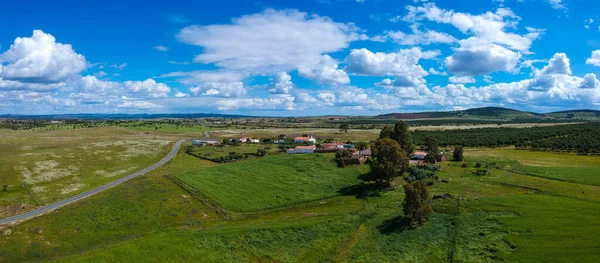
{"x":344,"y":127}
{"x":416,"y":202}
{"x":225,"y":141}
{"x":390,"y":162}
{"x":433,"y":152}
{"x":401,"y":134}
{"x":362,"y":146}
{"x":457,"y":155}
{"x":386,"y":132}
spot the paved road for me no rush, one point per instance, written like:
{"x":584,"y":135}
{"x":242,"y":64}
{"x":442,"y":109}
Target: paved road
{"x":50,"y":207}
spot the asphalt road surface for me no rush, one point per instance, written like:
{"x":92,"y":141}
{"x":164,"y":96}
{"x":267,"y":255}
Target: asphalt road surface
{"x":53,"y":206}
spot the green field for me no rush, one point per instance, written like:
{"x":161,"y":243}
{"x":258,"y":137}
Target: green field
{"x":273,"y":181}
{"x":45,"y":166}
{"x":538,"y":207}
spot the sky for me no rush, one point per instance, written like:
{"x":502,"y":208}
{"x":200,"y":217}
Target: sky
{"x":297,"y":58}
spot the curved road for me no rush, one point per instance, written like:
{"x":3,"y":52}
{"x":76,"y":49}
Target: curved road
{"x":50,"y":207}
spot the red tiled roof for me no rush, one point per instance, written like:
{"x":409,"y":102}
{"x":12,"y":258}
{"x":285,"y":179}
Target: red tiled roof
{"x":419,"y":153}
{"x":306,"y":147}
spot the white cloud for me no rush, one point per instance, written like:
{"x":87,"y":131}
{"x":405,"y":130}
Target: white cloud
{"x":419,"y":37}
{"x":557,"y":4}
{"x":219,"y":89}
{"x":281,"y":84}
{"x":269,"y":42}
{"x":273,"y":102}
{"x":402,"y":63}
{"x":474,"y":58}
{"x":144,"y":105}
{"x":455,"y":79}
{"x":325,"y":71}
{"x":488,"y":26}
{"x":594,"y":59}
{"x":304,"y":98}
{"x":40,"y":59}
{"x":558,"y":64}
{"x":161,"y":48}
{"x":179,"y":94}
{"x":148,"y":88}
{"x":590,"y":81}
{"x":119,"y":66}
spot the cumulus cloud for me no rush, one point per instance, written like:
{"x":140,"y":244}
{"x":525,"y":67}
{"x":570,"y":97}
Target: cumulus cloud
{"x":219,"y":89}
{"x":594,"y":59}
{"x":475,"y":58}
{"x":144,"y":105}
{"x":590,"y":81}
{"x":325,"y":71}
{"x":281,"y":84}
{"x":403,"y":65}
{"x":148,"y":88}
{"x":466,"y":79}
{"x":273,"y":102}
{"x":40,"y":59}
{"x":269,"y":42}
{"x":558,"y":64}
{"x":419,"y":37}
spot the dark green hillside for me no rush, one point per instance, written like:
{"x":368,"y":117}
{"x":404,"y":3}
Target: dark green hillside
{"x":475,"y":113}
{"x":576,"y":114}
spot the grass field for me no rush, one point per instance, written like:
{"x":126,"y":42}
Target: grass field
{"x":273,"y":181}
{"x":42,"y":167}
{"x":539,"y":207}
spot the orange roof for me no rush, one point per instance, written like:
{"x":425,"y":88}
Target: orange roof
{"x":306,"y":147}
{"x":302,"y":138}
{"x":419,"y":153}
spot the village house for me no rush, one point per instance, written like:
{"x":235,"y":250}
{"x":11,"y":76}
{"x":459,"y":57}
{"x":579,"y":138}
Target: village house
{"x":204,"y":142}
{"x":418,"y":155}
{"x":244,"y":139}
{"x":301,"y":139}
{"x":302,"y":149}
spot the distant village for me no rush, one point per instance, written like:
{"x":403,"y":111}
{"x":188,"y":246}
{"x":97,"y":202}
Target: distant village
{"x":309,"y":145}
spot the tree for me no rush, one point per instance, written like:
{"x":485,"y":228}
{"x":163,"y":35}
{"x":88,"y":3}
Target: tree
{"x":390,"y":162}
{"x":225,"y":141}
{"x":340,"y":157}
{"x":433,"y":151}
{"x":344,"y":127}
{"x":281,"y":136}
{"x":362,"y":146}
{"x":457,"y":155}
{"x":4,"y":188}
{"x":401,"y":134}
{"x":416,"y":202}
{"x":386,"y":132}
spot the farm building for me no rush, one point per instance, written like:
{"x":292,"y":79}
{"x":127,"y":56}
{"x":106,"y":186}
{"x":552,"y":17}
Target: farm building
{"x":301,"y":139}
{"x":204,"y":142}
{"x":366,"y":152}
{"x":420,"y":155}
{"x":244,"y":139}
{"x":333,"y":145}
{"x":302,"y":149}
{"x":254,"y":140}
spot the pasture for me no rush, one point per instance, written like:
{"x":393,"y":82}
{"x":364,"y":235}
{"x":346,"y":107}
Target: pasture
{"x":531,"y":207}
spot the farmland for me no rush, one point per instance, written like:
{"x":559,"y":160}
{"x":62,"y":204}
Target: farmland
{"x":531,"y":207}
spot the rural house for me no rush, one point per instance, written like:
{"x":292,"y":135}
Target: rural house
{"x":419,"y":155}
{"x":302,"y":149}
{"x":301,"y":139}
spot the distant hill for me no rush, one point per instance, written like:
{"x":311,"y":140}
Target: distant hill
{"x":576,"y":114}
{"x":475,"y":113}
{"x":120,"y":116}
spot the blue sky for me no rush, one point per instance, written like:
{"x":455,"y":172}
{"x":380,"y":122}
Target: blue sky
{"x":297,"y":58}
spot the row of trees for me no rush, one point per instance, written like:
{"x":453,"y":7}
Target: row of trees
{"x":583,"y":138}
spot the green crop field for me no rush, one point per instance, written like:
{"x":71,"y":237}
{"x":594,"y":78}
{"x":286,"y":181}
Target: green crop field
{"x":531,"y":207}
{"x":273,"y":181}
